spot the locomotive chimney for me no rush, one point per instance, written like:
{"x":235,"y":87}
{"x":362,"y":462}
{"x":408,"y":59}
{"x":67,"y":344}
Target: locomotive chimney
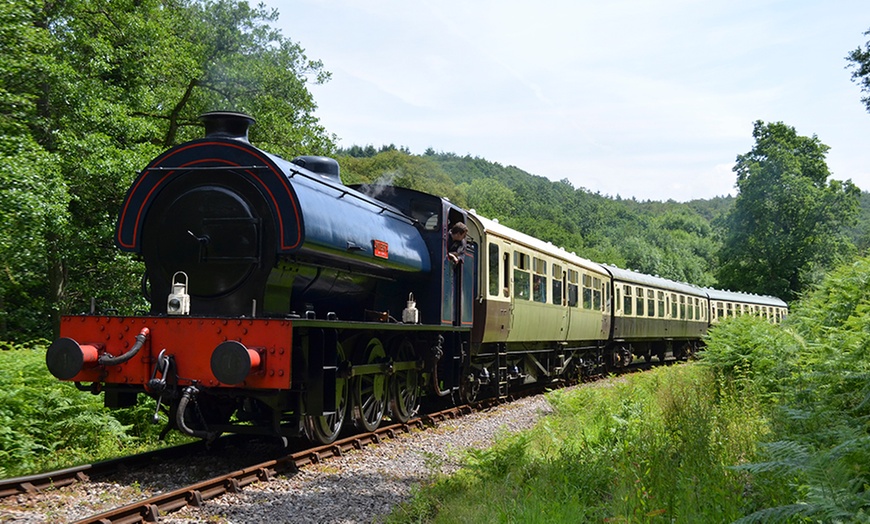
{"x":227,"y":124}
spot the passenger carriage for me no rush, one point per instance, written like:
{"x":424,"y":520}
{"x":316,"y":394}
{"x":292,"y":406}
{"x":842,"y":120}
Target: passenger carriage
{"x":654,"y":315}
{"x":728,"y":304}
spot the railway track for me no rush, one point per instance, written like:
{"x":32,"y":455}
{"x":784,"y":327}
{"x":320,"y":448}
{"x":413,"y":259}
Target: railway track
{"x":149,"y":509}
{"x":195,"y":494}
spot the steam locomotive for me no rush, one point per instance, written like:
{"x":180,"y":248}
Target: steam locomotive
{"x":286,"y":303}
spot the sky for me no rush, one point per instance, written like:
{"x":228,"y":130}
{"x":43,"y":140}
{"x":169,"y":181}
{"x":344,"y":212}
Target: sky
{"x":646,"y":99}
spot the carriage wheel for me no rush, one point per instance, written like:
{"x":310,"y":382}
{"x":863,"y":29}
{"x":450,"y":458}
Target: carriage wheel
{"x":469,"y":389}
{"x":326,"y":428}
{"x":405,"y":386}
{"x":370,"y":391}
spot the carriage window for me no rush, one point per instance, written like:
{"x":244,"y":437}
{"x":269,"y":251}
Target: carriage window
{"x":728,"y":311}
{"x":506,"y":276}
{"x":691,"y":314}
{"x":661,"y":296}
{"x":493,"y":269}
{"x":522,"y":284}
{"x":587,"y":292}
{"x":673,"y":305}
{"x":650,"y":303}
{"x":720,"y":310}
{"x":573,"y":291}
{"x":699,"y":312}
{"x":682,"y":307}
{"x":522,"y":260}
{"x":596,"y":293}
{"x":627,"y":304}
{"x":522,"y":278}
{"x":557,"y":284}
{"x":539,"y":288}
{"x":539,"y":280}
{"x":639,"y":294}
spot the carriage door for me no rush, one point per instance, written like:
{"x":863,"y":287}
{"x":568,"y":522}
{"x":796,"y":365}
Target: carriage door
{"x":506,"y":268}
{"x":560,"y":297}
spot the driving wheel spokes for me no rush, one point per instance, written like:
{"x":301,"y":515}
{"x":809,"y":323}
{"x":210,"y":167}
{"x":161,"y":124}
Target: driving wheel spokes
{"x":405,"y":385}
{"x":370,"y":390}
{"x":326,"y":428}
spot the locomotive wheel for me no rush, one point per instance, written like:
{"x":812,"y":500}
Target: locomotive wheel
{"x":326,"y":428}
{"x":370,"y":391}
{"x":405,"y":386}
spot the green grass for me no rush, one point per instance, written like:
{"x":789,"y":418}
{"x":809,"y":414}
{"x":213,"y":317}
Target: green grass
{"x":651,"y":447}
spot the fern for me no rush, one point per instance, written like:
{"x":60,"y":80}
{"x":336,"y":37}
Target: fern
{"x":779,"y":514}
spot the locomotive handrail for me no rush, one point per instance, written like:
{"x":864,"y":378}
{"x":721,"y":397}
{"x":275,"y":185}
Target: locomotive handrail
{"x":205,"y":168}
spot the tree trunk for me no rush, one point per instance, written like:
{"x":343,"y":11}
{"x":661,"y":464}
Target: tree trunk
{"x":57,"y":276}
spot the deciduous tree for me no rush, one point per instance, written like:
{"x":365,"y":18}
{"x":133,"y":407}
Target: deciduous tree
{"x":90,"y":91}
{"x":860,"y":59}
{"x":786,"y":226}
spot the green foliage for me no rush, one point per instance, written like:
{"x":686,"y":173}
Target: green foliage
{"x":90,"y":93}
{"x":655,"y":447}
{"x":817,"y":371}
{"x":662,"y":238}
{"x":860,"y":62}
{"x":751,"y":354}
{"x":397,"y":168}
{"x":787,"y":224}
{"x":46,"y":424}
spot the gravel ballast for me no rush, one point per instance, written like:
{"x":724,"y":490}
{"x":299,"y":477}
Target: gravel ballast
{"x":359,"y":487}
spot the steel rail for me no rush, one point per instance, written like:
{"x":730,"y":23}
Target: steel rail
{"x":31,"y":484}
{"x":149,"y":510}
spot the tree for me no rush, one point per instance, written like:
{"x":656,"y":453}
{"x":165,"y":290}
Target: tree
{"x":490,"y":198}
{"x":786,"y":225}
{"x":860,"y":59}
{"x":398,"y":168}
{"x":90,"y":91}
